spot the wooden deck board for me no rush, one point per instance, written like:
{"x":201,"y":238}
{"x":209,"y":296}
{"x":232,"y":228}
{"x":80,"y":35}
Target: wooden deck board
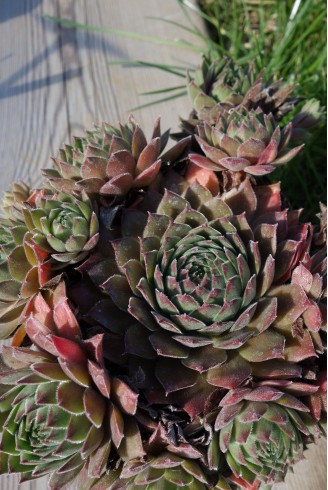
{"x":55,"y":82}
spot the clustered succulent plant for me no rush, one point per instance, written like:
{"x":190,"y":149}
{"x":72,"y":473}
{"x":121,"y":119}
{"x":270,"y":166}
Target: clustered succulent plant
{"x":166,"y":309}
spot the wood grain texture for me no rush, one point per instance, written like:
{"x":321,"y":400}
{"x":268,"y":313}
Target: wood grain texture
{"x":55,"y":82}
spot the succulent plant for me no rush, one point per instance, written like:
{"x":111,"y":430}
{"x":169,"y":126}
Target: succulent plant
{"x":220,"y":85}
{"x":244,"y":141}
{"x":163,"y":471}
{"x":109,"y":161}
{"x":60,"y":408}
{"x":208,"y":280}
{"x":22,"y":268}
{"x":262,"y":430}
{"x":40,"y":233}
{"x":64,"y":226}
{"x":168,"y":320}
{"x":13,"y":200}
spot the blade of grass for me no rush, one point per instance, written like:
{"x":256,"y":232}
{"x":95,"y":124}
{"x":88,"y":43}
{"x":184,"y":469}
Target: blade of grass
{"x":131,"y":35}
{"x":136,"y":63}
{"x":164,"y":90}
{"x":159,"y":101}
{"x":159,"y":66}
{"x":194,"y":31}
{"x":283,"y":47}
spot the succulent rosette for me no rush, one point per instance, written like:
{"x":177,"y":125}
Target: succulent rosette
{"x":163,"y":471}
{"x":63,"y":226}
{"x":23,"y":270}
{"x":13,"y":200}
{"x":60,"y":408}
{"x":40,"y":233}
{"x":244,"y":141}
{"x":208,"y":280}
{"x":110,"y":162}
{"x":262,"y":430}
{"x":219,"y":84}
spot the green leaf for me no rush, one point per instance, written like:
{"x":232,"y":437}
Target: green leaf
{"x":128,"y":34}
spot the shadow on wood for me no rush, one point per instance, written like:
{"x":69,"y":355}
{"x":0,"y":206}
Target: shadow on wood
{"x":10,"y":9}
{"x":69,"y":51}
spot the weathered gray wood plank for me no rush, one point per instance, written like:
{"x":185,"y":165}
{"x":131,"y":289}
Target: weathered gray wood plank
{"x":55,"y":82}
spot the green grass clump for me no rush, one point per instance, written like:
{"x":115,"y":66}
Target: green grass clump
{"x":288,"y":38}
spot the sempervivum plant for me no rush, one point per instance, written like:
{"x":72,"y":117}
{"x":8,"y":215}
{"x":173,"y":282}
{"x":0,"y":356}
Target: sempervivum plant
{"x":219,"y":84}
{"x":110,"y":162}
{"x":17,"y":285}
{"x":164,"y":471}
{"x":40,"y":233}
{"x":60,"y":408}
{"x":247,"y":141}
{"x":23,"y":270}
{"x":167,"y":310}
{"x":63,"y":226}
{"x":211,"y":282}
{"x":262,"y":429}
{"x":13,"y":200}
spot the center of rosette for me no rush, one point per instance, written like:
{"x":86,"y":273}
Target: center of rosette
{"x":62,"y":224}
{"x":198,"y":282}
